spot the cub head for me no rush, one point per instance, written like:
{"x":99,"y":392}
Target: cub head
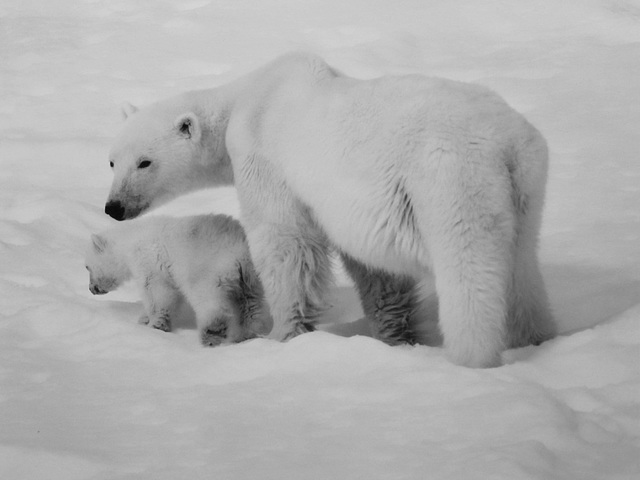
{"x":106,"y":271}
{"x":162,"y":151}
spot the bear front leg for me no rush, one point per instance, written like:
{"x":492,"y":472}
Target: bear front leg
{"x":388,"y":301}
{"x":159,"y":300}
{"x":294,"y":267}
{"x":530,"y":320}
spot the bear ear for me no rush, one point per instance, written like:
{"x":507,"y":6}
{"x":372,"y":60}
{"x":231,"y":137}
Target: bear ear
{"x":188,"y":126}
{"x":99,"y":243}
{"x":128,"y":110}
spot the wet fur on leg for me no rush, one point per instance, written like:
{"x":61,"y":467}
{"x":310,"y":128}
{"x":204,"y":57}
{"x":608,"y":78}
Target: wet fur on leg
{"x":389,"y":302}
{"x":295,"y":275}
{"x":247,"y":293}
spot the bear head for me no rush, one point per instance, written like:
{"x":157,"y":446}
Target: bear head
{"x":107,"y":271}
{"x":162,"y":151}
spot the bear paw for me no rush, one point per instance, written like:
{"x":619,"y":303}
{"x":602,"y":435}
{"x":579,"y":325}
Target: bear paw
{"x":214,"y":335}
{"x":163,"y":324}
{"x":292,"y":330}
{"x":532,"y":338}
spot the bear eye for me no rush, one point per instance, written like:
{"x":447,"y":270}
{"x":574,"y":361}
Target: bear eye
{"x":111,"y":164}
{"x":144,"y":163}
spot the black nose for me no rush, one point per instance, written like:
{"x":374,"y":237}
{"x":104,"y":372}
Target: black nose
{"x":114,"y":209}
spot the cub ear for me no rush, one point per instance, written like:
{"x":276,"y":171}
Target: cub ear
{"x":99,"y":243}
{"x":127,"y":110}
{"x":188,"y":126}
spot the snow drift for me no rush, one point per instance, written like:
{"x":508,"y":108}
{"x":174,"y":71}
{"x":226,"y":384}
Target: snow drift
{"x":86,"y":393}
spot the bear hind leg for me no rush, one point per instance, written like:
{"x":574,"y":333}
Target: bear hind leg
{"x":218,"y":324}
{"x":472,"y":308}
{"x":388,"y":301}
{"x":472,"y":242}
{"x":530,"y":321}
{"x":217,"y":316}
{"x":247,"y":294}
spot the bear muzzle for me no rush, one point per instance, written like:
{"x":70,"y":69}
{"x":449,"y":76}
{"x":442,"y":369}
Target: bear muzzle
{"x":115,"y":210}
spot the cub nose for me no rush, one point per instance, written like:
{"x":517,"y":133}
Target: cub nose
{"x":114,"y":209}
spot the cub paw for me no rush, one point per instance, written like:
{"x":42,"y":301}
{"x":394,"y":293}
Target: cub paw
{"x":214,"y":335}
{"x":163,"y":324}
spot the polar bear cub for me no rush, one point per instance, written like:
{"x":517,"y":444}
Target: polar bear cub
{"x":203,"y":260}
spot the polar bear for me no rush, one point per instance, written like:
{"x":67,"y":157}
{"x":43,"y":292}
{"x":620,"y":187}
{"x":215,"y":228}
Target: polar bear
{"x":408,"y":177}
{"x":202,"y":259}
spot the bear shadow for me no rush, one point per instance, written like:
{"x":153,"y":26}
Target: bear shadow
{"x":584,"y":296}
{"x":580,"y":297}
{"x":346,"y":318}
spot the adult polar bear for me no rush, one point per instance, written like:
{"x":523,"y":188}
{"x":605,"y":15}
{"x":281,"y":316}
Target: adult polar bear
{"x":406,"y":176}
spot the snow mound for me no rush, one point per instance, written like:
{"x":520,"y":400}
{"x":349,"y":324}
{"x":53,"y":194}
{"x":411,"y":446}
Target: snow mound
{"x":87,"y":393}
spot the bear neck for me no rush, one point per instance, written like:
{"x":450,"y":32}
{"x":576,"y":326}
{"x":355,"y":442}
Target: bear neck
{"x":213,"y":107}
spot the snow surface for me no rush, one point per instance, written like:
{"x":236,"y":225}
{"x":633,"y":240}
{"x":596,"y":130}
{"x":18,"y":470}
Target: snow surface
{"x":87,"y":393}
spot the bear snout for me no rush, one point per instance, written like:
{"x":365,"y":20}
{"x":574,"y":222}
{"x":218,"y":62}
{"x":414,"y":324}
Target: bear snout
{"x":114,"y":209}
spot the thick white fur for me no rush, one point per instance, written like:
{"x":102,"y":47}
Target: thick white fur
{"x":203,"y":260}
{"x":411,"y":176}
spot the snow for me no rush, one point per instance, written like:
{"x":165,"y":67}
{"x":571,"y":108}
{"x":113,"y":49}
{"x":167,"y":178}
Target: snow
{"x":87,"y":393}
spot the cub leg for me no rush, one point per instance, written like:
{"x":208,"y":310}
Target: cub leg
{"x":388,"y":301}
{"x":217,"y":316}
{"x":159,"y":299}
